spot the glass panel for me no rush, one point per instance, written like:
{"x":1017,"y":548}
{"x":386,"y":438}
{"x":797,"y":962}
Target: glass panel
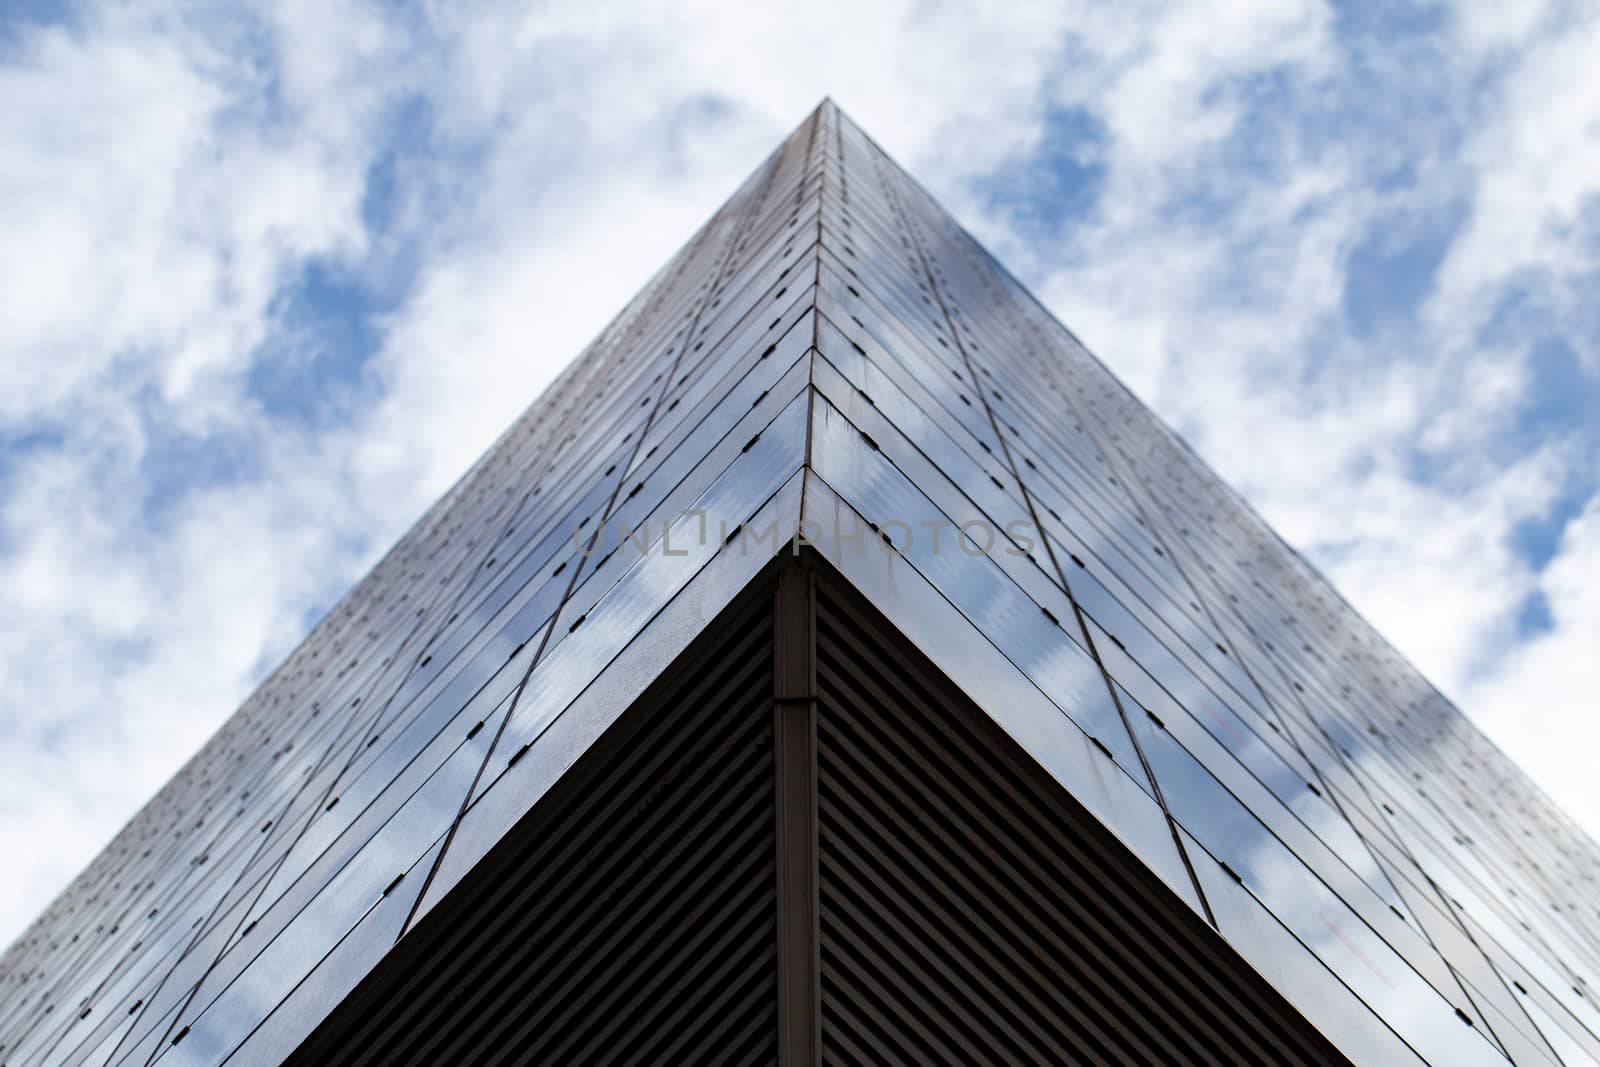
{"x":233,"y":1027}
{"x":584,"y":642}
{"x":612,"y":691}
{"x":995,"y":684}
{"x":1317,"y":917}
{"x":1303,"y":980}
{"x":375,"y":871}
{"x":958,"y":567}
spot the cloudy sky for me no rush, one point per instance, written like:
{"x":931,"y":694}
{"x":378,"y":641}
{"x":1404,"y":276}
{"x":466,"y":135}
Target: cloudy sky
{"x":270,"y":280}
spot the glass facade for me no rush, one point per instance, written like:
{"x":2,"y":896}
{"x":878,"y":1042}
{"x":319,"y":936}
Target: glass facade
{"x":832,"y":356}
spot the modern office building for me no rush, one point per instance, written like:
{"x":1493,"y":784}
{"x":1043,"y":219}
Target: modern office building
{"x":835,"y":664}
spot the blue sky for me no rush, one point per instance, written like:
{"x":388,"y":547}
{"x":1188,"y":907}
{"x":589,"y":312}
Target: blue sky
{"x":274,"y":275}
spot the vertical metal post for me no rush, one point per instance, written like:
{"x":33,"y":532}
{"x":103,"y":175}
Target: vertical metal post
{"x":795,"y":741}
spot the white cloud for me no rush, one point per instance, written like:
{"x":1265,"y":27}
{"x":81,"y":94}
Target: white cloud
{"x":1536,"y":158}
{"x":1537,"y":699}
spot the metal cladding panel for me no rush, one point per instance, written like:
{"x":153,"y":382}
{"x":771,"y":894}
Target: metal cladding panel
{"x":832,"y":346}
